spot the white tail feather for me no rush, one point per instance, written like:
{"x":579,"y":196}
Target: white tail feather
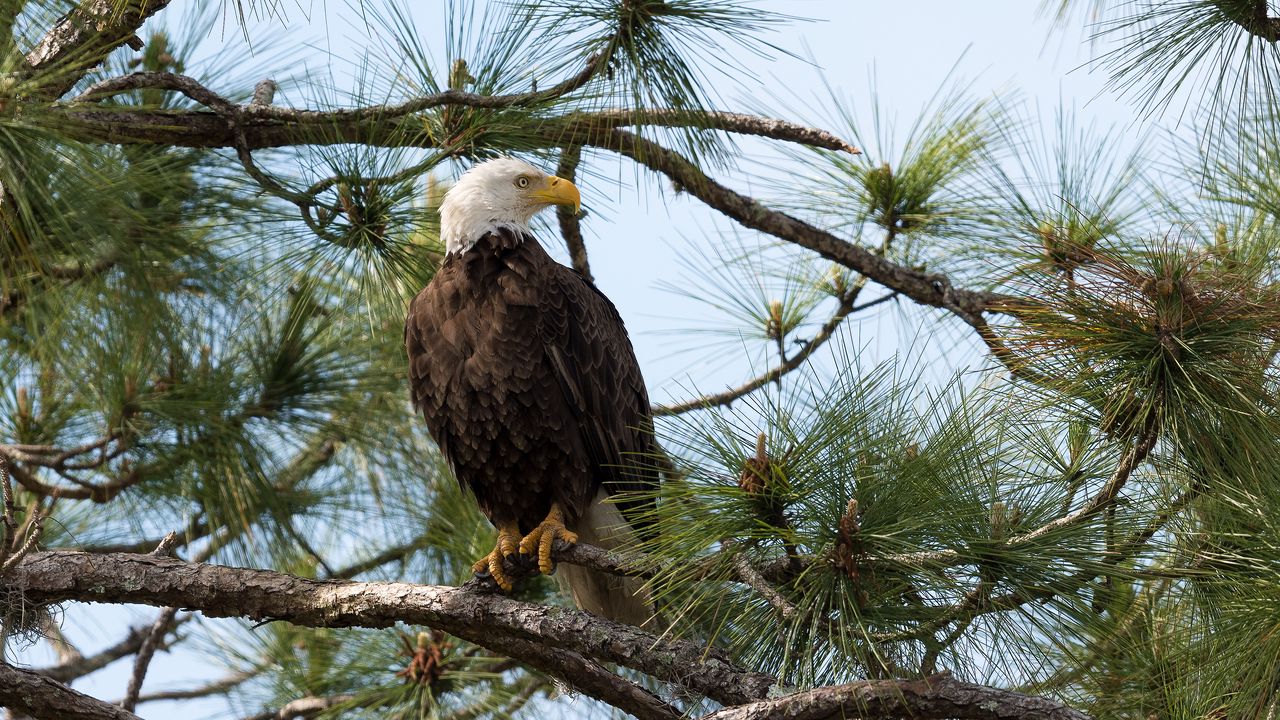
{"x":624,"y":599}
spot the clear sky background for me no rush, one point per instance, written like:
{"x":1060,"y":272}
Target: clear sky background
{"x":640,"y":235}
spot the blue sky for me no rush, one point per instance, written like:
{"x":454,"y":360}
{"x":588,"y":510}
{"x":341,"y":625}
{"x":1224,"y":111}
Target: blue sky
{"x":640,"y":234}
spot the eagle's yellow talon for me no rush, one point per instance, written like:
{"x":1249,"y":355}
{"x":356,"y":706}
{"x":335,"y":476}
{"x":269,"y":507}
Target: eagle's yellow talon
{"x":544,"y":537}
{"x":506,"y":545}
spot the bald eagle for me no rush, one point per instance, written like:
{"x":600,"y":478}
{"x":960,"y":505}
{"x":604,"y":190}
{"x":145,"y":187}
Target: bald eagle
{"x":530,"y":386}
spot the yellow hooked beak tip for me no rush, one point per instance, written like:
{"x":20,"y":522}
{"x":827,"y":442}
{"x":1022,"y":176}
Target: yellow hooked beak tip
{"x":559,"y":191}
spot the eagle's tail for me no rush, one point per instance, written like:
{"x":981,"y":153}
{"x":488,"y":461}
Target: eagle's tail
{"x":624,"y":599}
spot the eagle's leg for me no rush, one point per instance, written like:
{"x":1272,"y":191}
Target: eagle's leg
{"x":544,"y":536}
{"x":508,"y":539}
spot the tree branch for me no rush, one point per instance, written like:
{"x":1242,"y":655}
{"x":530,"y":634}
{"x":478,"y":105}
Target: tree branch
{"x":81,"y":666}
{"x":589,"y":677}
{"x":307,"y":707}
{"x":930,"y":289}
{"x":84,"y":37}
{"x":825,"y":333}
{"x":491,"y":621}
{"x":939,"y":696}
{"x":44,"y":698}
{"x":217,"y":687}
{"x":570,"y":226}
{"x":141,"y":663}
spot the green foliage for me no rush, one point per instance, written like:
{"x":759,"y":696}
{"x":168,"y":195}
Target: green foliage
{"x":1093,"y":520}
{"x":1221,"y":48}
{"x":918,"y":195}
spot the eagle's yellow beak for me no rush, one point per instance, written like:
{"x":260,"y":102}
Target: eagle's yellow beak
{"x":558,"y":191}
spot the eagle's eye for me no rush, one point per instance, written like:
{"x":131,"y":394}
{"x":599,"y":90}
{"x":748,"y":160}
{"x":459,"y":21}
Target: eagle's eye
{"x":522,"y":182}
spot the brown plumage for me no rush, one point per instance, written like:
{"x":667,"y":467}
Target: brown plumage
{"x":530,"y":387}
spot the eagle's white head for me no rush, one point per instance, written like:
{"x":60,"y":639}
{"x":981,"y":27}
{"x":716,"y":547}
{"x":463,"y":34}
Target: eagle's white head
{"x":499,"y":193}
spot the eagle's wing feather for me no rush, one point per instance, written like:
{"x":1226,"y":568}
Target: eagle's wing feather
{"x":595,"y":364}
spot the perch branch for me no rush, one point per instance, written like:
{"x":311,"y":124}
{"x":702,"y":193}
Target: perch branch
{"x":483,"y":619}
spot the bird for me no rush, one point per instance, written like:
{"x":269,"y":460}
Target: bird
{"x":530,"y":387}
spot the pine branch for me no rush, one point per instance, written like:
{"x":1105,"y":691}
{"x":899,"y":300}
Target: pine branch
{"x":44,"y":698}
{"x":98,"y":493}
{"x":388,"y":555}
{"x":155,"y":636}
{"x":939,"y":696}
{"x":737,"y":123}
{"x":267,"y":126}
{"x":589,"y":678}
{"x":825,"y":333}
{"x":239,"y":126}
{"x":1133,"y":457}
{"x":484,"y":619}
{"x":81,"y":666}
{"x":552,"y":639}
{"x":1256,"y":22}
{"x":929,"y":289}
{"x":197,"y":531}
{"x":217,"y":687}
{"x":84,"y":37}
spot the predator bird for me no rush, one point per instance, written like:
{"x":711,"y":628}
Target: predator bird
{"x":530,"y":385}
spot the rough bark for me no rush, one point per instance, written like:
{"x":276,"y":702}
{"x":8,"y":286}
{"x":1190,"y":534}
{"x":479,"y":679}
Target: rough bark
{"x":567,"y":643}
{"x":43,"y":698}
{"x":484,"y":619}
{"x":939,"y":696}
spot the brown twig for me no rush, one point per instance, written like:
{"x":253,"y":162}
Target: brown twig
{"x":738,"y":123}
{"x":570,"y":226}
{"x":751,"y":577}
{"x":1132,"y":458}
{"x":846,"y":308}
{"x":78,"y":667}
{"x":217,"y":687}
{"x":162,"y":625}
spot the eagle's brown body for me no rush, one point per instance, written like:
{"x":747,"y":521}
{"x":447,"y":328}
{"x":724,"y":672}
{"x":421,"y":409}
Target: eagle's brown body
{"x":528,"y":383}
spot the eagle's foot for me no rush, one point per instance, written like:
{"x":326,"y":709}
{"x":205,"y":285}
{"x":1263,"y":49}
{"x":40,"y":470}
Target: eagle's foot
{"x":508,"y":544}
{"x":544,"y":537}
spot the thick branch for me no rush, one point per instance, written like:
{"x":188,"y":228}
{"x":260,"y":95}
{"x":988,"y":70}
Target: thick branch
{"x":85,"y":36}
{"x":43,"y":698}
{"x":590,"y":678}
{"x":939,"y":696}
{"x":487,"y":620}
